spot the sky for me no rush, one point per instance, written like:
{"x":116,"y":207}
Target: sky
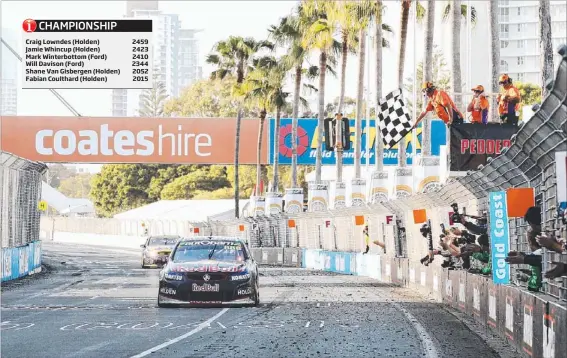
{"x":217,"y":19}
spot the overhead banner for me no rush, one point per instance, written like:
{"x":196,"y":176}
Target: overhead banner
{"x":472,"y":144}
{"x":130,"y":139}
{"x":499,"y":237}
{"x":307,"y":142}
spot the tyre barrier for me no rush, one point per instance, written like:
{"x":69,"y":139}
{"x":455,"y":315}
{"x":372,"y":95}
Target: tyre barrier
{"x":529,"y":322}
{"x":21,"y":261}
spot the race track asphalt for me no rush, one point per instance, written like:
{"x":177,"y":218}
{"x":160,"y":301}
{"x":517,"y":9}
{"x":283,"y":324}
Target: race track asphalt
{"x":98,"y":302}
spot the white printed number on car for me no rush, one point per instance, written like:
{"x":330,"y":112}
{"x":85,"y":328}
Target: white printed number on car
{"x":167,"y":291}
{"x":245,"y":291}
{"x":240,"y":277}
{"x":173,"y":277}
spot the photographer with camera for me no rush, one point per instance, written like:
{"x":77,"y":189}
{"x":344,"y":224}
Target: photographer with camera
{"x":446,"y":248}
{"x":478,"y":229}
{"x":425,"y":231}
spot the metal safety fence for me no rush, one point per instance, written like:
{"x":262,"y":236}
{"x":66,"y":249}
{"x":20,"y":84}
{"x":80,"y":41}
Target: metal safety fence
{"x":20,"y":189}
{"x":20,"y":193}
{"x":530,"y":162}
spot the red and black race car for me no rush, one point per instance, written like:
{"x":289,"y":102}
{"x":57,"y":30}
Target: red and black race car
{"x":157,"y":249}
{"x":209,"y":271}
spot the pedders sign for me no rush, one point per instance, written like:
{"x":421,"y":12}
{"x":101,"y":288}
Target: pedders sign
{"x":129,"y":139}
{"x":473,"y":144}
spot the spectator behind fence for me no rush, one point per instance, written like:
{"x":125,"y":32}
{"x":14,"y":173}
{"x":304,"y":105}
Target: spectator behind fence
{"x":558,"y":246}
{"x":533,"y":218}
{"x":442,"y":104}
{"x":458,"y":247}
{"x":478,"y":229}
{"x":479,"y":106}
{"x":508,"y":101}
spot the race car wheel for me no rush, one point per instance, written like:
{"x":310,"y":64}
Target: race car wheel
{"x":256,"y":294}
{"x":162,"y":305}
{"x":143,"y":266}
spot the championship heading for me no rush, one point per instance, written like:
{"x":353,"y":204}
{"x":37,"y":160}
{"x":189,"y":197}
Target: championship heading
{"x":31,"y":25}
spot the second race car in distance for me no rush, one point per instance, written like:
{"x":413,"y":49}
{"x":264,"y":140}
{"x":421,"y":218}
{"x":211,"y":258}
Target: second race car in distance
{"x":157,"y":249}
{"x":209,"y":271}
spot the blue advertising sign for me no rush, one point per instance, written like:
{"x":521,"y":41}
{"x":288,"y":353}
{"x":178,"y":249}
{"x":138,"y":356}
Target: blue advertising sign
{"x":499,"y":237}
{"x":307,"y":142}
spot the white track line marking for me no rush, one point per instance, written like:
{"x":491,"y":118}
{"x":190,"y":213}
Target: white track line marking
{"x":220,"y":324}
{"x":318,"y":304}
{"x":424,"y":337}
{"x":307,"y":324}
{"x":322,"y":324}
{"x":182,"y":337}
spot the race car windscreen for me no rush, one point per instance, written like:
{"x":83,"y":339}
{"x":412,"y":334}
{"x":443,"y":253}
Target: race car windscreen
{"x":209,"y":250}
{"x":163,"y":241}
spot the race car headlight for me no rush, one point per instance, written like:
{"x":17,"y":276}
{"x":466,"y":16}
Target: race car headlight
{"x":173,"y":276}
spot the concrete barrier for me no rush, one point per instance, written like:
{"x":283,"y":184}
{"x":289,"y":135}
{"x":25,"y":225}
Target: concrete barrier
{"x":21,"y":261}
{"x":529,"y":322}
{"x":128,"y":242}
{"x":291,"y":256}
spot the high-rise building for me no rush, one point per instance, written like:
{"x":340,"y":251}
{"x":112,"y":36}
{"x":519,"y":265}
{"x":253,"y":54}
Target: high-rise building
{"x":9,"y":79}
{"x":175,"y":56}
{"x":140,"y":5}
{"x":520,"y":38}
{"x":189,"y":68}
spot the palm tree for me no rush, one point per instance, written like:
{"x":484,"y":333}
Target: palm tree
{"x":341,"y":12}
{"x":258,"y":89}
{"x":456,"y":51}
{"x":428,"y":71}
{"x":402,"y":161}
{"x":233,"y":56}
{"x":153,"y":100}
{"x":353,"y":18}
{"x":363,"y":12}
{"x":454,"y":10}
{"x":545,"y":45}
{"x":289,"y":32}
{"x":319,"y":36}
{"x":495,"y":50}
{"x":379,"y":146}
{"x":278,"y":99}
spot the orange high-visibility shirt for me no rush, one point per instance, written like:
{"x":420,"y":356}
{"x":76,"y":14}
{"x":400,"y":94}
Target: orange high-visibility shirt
{"x":442,"y":104}
{"x":504,"y":107}
{"x":480,"y":115}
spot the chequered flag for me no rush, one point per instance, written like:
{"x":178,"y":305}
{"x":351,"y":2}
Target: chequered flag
{"x":394,"y":118}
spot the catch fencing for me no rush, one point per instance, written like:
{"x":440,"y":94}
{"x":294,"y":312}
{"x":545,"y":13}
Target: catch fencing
{"x":529,"y":162}
{"x":20,"y":193}
{"x":20,"y":181}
